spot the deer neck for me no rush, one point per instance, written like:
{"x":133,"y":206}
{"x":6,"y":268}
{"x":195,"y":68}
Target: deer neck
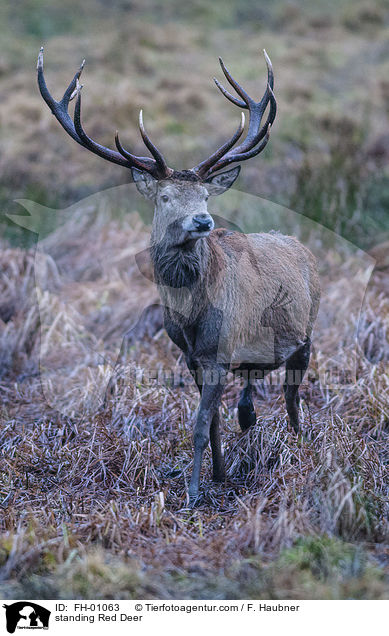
{"x":180,"y":266}
{"x":180,"y":273}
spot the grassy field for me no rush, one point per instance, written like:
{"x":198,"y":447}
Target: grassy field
{"x":92,"y":499}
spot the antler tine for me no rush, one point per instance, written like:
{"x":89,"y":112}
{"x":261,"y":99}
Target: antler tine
{"x":242,"y":156}
{"x":142,"y":163}
{"x":203,"y":167}
{"x":156,"y":167}
{"x":255,"y":133}
{"x":41,"y":80}
{"x":226,"y":93}
{"x":58,"y":109}
{"x":163,"y":168}
{"x":71,"y":90}
{"x":241,"y":92}
{"x":270,"y":74}
{"x":239,"y":89}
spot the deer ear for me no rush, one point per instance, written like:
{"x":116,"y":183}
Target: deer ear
{"x":221,"y":182}
{"x":145,"y":183}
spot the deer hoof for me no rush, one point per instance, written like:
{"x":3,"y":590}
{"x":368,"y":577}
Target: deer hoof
{"x":193,"y":499}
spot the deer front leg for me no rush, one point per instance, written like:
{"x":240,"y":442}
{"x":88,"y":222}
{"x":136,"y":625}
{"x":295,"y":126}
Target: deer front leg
{"x":217,"y":455}
{"x":210,"y":400}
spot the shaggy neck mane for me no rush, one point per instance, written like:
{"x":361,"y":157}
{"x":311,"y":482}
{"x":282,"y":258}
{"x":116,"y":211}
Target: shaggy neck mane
{"x":181,"y":266}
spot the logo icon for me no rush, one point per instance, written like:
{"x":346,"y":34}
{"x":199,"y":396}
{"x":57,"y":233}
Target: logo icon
{"x":26,"y":615}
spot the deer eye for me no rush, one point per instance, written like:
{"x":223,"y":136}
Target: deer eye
{"x":165,"y":198}
{"x":207,"y":197}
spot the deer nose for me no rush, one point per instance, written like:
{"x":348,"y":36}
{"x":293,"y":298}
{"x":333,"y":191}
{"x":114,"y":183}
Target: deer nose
{"x":203,"y":222}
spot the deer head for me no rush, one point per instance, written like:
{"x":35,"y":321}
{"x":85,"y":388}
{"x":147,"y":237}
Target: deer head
{"x":180,"y":197}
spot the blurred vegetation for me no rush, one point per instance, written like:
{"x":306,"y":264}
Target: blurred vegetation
{"x":328,"y":156}
{"x":315,"y":568}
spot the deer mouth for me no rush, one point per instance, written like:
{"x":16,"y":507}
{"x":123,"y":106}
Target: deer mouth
{"x":190,"y":237}
{"x":199,"y":234}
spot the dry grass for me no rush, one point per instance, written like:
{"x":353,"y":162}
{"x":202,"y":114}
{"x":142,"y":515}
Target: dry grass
{"x":94,"y":499}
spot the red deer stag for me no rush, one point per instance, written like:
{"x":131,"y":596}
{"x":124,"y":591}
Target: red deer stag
{"x":230,"y":299}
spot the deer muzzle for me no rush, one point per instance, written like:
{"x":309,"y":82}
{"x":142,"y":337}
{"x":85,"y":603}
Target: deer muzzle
{"x":198,"y":225}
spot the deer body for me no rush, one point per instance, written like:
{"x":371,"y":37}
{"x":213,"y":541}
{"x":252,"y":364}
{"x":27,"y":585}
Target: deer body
{"x":231,"y":300}
{"x":240,"y":277}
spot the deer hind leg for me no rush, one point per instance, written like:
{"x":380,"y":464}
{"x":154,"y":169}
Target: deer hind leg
{"x":218,"y":472}
{"x":246,"y":412}
{"x":296,"y":367}
{"x":207,"y":428}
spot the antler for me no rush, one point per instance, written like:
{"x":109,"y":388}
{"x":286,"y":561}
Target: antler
{"x":255,"y":134}
{"x":157,"y":167}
